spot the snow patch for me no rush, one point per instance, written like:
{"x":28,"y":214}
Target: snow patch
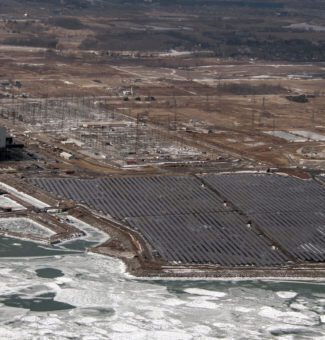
{"x":286,"y":295}
{"x":24,"y":197}
{"x":202,"y":304}
{"x":295,"y":318}
{"x":204,"y":292}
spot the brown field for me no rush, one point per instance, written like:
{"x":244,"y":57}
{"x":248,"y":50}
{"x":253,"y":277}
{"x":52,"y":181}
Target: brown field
{"x":235,"y":101}
{"x":217,"y":79}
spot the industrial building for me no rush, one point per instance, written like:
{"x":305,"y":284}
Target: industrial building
{"x":7,"y":142}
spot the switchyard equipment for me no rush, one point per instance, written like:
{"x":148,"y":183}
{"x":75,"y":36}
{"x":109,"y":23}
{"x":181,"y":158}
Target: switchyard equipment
{"x":7,"y":142}
{"x":115,"y":137}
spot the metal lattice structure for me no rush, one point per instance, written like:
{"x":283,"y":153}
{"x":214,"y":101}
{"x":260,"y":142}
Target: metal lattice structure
{"x":115,"y":137}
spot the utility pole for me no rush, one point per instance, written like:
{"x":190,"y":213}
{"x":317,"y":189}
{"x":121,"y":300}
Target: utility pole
{"x":137,"y":137}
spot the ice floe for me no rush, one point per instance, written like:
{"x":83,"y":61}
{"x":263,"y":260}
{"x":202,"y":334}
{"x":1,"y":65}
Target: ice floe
{"x":286,"y":295}
{"x":290,"y":317}
{"x":198,"y":291}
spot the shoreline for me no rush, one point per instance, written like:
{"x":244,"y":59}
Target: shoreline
{"x":138,"y":268}
{"x":175,"y":273}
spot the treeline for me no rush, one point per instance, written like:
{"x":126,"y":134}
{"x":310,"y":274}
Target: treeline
{"x":248,"y":89}
{"x":70,"y":23}
{"x":299,"y":50}
{"x":215,"y":3}
{"x":32,"y":41}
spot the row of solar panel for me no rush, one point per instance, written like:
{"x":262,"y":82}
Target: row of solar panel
{"x":260,"y":193}
{"x":288,"y":210}
{"x":141,"y":196}
{"x":219,"y":238}
{"x":185,"y":219}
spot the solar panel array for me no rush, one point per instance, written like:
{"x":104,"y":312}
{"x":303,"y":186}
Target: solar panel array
{"x":301,"y":234}
{"x":219,"y":238}
{"x":182,"y":219}
{"x":288,"y":210}
{"x":138,"y":196}
{"x":261,"y":193}
{"x":321,"y":178}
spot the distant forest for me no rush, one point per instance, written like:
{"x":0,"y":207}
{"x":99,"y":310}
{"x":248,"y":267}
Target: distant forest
{"x":291,"y":30}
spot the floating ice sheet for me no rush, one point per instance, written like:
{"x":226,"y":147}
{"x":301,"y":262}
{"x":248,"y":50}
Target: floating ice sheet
{"x":105,"y":304}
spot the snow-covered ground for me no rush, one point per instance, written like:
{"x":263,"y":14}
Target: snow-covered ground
{"x":290,"y":137}
{"x":24,"y":197}
{"x":25,"y":226}
{"x":303,"y":26}
{"x":6,"y":202}
{"x":92,"y":234}
{"x":309,"y":135}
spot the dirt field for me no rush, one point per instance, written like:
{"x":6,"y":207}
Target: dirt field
{"x":237,"y":81}
{"x":223,"y":103}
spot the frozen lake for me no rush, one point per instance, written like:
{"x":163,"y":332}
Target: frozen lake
{"x":55,"y":293}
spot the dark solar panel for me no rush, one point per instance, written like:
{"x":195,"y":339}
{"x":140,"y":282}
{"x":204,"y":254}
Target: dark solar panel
{"x":289,"y":210}
{"x":185,"y":220}
{"x":219,"y":238}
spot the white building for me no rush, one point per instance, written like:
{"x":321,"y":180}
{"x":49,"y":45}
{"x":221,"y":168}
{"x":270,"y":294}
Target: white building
{"x":66,"y":155}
